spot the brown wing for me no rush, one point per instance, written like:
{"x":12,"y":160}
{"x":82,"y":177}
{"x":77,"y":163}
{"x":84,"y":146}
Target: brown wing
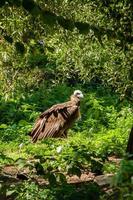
{"x":53,"y":121}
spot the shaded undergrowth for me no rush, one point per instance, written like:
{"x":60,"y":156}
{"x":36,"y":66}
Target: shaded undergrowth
{"x":101,"y":132}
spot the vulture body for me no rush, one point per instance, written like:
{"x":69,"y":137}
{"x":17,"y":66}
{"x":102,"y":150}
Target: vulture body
{"x":55,"y":121}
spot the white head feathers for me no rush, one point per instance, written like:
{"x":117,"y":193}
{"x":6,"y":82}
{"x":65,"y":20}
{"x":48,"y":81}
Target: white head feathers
{"x":78,"y":94}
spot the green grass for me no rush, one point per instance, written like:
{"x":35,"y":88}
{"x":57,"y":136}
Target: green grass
{"x":101,"y":132}
{"x":103,"y":128}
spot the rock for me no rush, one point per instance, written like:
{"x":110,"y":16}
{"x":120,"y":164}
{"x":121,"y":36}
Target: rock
{"x":103,"y":180}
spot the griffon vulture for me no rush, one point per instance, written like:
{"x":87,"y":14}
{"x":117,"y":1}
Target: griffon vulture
{"x":55,"y":121}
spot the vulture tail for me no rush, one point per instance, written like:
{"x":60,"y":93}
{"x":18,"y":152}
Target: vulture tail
{"x":39,"y":127}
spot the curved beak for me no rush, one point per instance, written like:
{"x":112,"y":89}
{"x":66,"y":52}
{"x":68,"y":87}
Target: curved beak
{"x":81,"y":95}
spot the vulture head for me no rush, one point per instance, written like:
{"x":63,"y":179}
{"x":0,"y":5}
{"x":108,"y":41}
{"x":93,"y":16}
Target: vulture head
{"x":78,"y":94}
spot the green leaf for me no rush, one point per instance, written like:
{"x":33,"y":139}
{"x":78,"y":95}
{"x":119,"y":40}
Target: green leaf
{"x":3,"y":126}
{"x":10,"y":192}
{"x":23,"y":123}
{"x":62,"y":178}
{"x":21,"y":162}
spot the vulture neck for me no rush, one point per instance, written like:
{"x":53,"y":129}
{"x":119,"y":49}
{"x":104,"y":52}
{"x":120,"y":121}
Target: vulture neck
{"x":75,"y":99}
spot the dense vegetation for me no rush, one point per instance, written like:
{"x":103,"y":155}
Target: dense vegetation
{"x":47,"y":50}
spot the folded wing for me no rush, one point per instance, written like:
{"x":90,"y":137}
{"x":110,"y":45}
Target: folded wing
{"x":54,"y":121}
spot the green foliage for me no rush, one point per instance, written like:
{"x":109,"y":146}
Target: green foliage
{"x":4,"y":159}
{"x":125,"y":173}
{"x":90,"y":44}
{"x":105,"y":122}
{"x":47,"y":50}
{"x":86,"y":149}
{"x":30,"y":190}
{"x":122,"y":182}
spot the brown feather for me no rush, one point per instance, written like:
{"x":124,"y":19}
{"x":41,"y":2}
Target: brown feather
{"x":55,"y":121}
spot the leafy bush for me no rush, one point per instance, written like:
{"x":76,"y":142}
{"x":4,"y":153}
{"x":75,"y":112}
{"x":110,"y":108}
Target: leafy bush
{"x":122,"y":183}
{"x":30,"y":190}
